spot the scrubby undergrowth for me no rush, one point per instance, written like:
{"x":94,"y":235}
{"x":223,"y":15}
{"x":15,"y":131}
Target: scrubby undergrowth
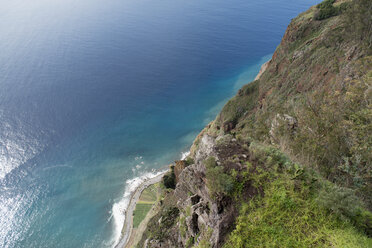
{"x":314,"y":100}
{"x":296,"y":209}
{"x":287,"y":162}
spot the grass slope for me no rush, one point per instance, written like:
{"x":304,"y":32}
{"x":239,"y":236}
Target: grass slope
{"x":145,"y":203}
{"x":294,"y":210}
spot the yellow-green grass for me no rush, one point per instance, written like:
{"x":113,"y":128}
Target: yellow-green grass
{"x":288,"y":216}
{"x":140,"y":213}
{"x":149,"y":194}
{"x":146,"y":201}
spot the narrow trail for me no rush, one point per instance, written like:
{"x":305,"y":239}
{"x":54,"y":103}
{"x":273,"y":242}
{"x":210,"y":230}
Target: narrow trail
{"x":128,"y":223}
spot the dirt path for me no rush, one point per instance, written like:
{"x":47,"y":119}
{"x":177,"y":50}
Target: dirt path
{"x":128,"y":223}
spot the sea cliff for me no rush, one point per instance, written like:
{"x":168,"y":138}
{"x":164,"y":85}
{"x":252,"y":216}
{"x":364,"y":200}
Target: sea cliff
{"x":287,"y":162}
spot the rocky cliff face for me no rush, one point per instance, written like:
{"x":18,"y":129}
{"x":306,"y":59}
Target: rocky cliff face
{"x":314,"y":99}
{"x":204,"y":216}
{"x":312,"y":103}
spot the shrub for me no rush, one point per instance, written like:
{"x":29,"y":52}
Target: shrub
{"x":169,"y":179}
{"x":325,"y":4}
{"x":344,"y":203}
{"x":217,"y":181}
{"x":341,"y":201}
{"x":326,"y":10}
{"x":270,"y":156}
{"x":189,"y":161}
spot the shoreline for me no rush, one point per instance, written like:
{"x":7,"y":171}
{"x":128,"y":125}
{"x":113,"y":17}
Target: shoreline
{"x":127,"y":229}
{"x":135,"y":195}
{"x":262,"y":69}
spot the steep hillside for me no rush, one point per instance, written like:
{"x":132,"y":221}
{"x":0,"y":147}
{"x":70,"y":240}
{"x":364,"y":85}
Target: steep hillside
{"x":287,"y":162}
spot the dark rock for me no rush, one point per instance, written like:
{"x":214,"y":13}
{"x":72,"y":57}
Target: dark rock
{"x":195,"y":199}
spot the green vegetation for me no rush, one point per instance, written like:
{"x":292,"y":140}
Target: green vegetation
{"x":297,"y":208}
{"x":288,"y":216}
{"x":294,"y":148}
{"x":169,"y":179}
{"x":189,"y":161}
{"x":147,"y":199}
{"x":190,"y":242}
{"x":218,"y":182}
{"x":332,"y":115}
{"x":327,"y":9}
{"x":359,"y":18}
{"x":161,"y":225}
{"x":183,"y":227}
{"x":336,"y":135}
{"x":204,"y":241}
{"x":140,"y":213}
{"x":344,"y":203}
{"x":150,"y":194}
{"x":233,"y":110}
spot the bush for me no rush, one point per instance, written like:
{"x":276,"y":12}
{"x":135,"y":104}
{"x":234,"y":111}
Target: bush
{"x":218,"y":182}
{"x":343,"y":202}
{"x":169,"y":179}
{"x":326,"y":10}
{"x":189,"y":161}
{"x":325,"y":4}
{"x":270,"y":156}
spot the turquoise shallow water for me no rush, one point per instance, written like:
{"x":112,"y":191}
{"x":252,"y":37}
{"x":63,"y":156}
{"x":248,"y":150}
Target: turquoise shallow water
{"x":95,"y":94}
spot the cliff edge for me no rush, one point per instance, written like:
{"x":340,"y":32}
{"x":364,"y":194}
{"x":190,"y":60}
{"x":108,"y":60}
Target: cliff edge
{"x":287,"y":162}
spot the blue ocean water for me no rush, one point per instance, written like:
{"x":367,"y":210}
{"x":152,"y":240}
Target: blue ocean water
{"x":96,"y":93}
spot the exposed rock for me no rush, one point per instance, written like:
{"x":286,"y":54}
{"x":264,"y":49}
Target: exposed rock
{"x":178,"y":168}
{"x":306,"y":62}
{"x":205,"y":149}
{"x":204,"y":211}
{"x":289,"y":122}
{"x":297,"y":54}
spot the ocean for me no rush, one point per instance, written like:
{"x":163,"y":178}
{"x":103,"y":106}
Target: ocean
{"x":97,"y":95}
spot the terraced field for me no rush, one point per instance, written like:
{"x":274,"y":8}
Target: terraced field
{"x":145,"y":203}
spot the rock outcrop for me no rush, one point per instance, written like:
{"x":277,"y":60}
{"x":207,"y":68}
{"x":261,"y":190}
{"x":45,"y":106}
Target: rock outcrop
{"x":312,"y":101}
{"x":203,"y":215}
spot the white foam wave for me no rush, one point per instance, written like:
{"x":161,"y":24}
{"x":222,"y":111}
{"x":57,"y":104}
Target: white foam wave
{"x":184,"y":155}
{"x":119,"y":208}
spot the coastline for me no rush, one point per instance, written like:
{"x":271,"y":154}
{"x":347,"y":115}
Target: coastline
{"x":262,"y":70}
{"x":127,"y":228}
{"x":135,"y":195}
